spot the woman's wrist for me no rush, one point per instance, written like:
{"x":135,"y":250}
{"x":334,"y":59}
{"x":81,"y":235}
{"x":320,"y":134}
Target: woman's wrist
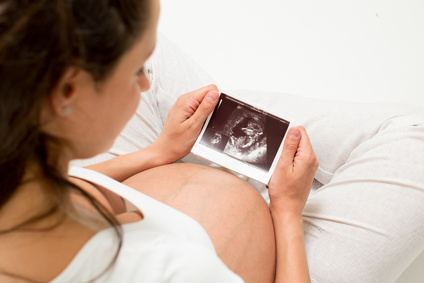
{"x":288,"y":223}
{"x":292,"y":265}
{"x":162,"y":154}
{"x":286,"y":209}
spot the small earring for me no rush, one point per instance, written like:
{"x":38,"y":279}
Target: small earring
{"x":67,"y":110}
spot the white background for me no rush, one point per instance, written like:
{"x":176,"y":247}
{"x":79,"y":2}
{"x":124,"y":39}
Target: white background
{"x":356,"y":50}
{"x":351,"y":50}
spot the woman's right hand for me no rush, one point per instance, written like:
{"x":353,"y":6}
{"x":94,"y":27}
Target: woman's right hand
{"x":292,"y":179}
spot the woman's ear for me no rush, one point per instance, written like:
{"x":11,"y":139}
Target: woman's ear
{"x":65,"y":92}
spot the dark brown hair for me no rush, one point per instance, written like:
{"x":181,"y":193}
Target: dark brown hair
{"x":39,"y":39}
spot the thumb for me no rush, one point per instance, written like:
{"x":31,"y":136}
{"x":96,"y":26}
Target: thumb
{"x":206,"y":106}
{"x":291,"y":144}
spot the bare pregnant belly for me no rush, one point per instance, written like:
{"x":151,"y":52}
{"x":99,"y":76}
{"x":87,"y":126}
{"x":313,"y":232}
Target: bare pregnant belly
{"x":190,"y":186}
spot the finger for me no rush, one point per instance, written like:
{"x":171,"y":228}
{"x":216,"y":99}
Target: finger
{"x":188,"y":103}
{"x":206,"y":106}
{"x":306,"y":153}
{"x":305,"y":146}
{"x":291,"y":144}
{"x":304,"y":140}
{"x":200,"y":93}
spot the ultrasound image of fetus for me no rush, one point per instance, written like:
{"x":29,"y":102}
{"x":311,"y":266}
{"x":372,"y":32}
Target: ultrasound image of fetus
{"x":247,"y":140}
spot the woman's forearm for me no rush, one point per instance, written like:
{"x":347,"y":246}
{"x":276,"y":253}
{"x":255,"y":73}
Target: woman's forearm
{"x":292,"y":265}
{"x":122,"y":167}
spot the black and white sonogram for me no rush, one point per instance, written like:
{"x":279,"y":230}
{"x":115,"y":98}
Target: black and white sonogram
{"x":244,"y":132}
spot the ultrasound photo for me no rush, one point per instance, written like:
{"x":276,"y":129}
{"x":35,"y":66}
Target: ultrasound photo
{"x":244,"y":132}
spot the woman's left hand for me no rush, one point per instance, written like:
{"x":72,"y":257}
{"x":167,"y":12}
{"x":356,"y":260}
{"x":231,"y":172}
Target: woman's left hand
{"x":184,"y":122}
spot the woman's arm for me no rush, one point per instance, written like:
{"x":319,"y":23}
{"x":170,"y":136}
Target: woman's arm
{"x":291,"y":256}
{"x":288,"y":190}
{"x":178,"y":136}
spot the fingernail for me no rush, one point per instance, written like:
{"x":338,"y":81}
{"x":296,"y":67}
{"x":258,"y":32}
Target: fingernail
{"x":294,"y":133}
{"x":213,"y":96}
